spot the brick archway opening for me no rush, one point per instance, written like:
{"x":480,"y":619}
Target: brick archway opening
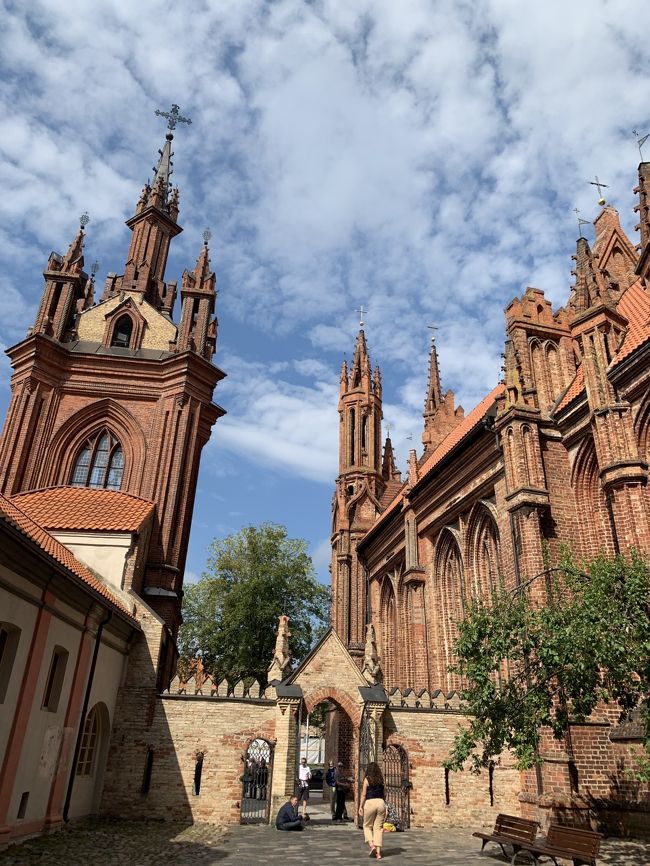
{"x":336,"y":717}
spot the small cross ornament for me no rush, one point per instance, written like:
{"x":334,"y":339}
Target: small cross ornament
{"x":173,"y":117}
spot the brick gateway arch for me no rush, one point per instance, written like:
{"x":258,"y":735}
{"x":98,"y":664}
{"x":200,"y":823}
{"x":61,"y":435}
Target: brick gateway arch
{"x":328,"y":674}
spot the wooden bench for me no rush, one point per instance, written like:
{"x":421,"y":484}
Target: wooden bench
{"x":509,"y":830}
{"x":579,"y":846}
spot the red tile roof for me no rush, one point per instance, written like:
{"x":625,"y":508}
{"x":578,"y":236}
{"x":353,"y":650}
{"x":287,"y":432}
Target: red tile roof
{"x":85,"y":508}
{"x":455,"y":437}
{"x":635,"y":306}
{"x":392,"y":489}
{"x":10,"y":512}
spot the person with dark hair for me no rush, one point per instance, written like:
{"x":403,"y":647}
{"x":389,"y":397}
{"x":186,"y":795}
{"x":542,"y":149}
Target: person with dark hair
{"x":288,"y":818}
{"x":372,"y":808}
{"x":342,"y":782}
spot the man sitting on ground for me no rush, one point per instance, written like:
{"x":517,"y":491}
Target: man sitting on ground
{"x":288,"y":816}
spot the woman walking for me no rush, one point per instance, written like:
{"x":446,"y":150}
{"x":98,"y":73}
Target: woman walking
{"x":373,"y":809}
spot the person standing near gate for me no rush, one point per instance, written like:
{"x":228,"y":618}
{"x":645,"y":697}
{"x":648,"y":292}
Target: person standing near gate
{"x":372,"y":807}
{"x":304,"y":775}
{"x":342,"y":787}
{"x":330,"y":777}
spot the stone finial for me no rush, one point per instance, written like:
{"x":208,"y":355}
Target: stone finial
{"x":371,"y":669}
{"x":282,"y":657}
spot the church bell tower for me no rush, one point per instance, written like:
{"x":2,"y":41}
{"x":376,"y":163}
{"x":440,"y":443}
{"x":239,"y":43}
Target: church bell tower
{"x":113,"y":394}
{"x":359,"y":488}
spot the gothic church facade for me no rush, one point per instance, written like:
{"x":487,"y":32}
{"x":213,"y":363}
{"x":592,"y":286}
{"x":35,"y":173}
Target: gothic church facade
{"x":556,"y":454}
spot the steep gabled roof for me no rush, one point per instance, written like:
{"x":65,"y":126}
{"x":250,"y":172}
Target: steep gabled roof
{"x":454,"y":438}
{"x":85,"y":508}
{"x":16,"y":517}
{"x":635,"y":306}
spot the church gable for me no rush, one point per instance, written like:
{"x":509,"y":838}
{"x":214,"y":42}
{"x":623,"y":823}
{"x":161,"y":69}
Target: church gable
{"x":327,"y":664}
{"x":155,"y":331}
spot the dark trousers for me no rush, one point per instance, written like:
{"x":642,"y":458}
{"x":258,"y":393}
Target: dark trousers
{"x":340,"y":805}
{"x":290,"y":825}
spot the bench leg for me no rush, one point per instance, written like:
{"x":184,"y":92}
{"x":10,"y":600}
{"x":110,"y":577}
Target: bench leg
{"x":530,"y":854}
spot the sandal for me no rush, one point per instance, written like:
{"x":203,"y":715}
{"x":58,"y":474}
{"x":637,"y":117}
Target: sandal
{"x":377,"y":854}
{"x":372,"y":851}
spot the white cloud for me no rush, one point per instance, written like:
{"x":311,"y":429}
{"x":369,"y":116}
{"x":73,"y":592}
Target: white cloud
{"x":422,"y":159}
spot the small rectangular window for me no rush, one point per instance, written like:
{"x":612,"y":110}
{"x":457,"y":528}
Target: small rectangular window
{"x":22,"y":808}
{"x":54,"y":683}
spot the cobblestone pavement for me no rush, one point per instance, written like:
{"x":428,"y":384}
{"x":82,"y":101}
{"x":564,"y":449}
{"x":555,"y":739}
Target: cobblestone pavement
{"x":112,"y":843}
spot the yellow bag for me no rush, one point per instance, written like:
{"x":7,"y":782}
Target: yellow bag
{"x":389,"y":828}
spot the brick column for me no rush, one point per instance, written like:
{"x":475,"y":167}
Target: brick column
{"x":284,"y":759}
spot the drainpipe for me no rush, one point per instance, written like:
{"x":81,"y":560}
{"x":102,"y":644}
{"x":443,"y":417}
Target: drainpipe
{"x":84,"y":712}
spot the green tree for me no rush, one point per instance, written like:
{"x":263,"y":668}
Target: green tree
{"x":231,"y":615}
{"x":528,"y":665}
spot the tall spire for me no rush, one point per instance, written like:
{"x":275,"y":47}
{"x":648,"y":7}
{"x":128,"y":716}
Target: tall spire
{"x":434,"y":391}
{"x":360,"y":367}
{"x":154,"y":224}
{"x":440,"y":415}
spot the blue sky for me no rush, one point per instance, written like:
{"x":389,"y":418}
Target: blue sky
{"x":420,"y":158}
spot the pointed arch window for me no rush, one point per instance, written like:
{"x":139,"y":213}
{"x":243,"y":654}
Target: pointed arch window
{"x":100,"y":463}
{"x":122,"y":332}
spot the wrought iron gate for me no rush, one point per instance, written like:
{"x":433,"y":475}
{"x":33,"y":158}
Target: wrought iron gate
{"x":397,"y":784}
{"x":256,"y":783}
{"x":365,"y":751}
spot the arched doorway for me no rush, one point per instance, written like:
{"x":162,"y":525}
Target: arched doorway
{"x":331,"y":722}
{"x":256,"y":782}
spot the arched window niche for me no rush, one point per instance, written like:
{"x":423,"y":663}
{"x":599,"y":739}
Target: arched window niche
{"x":122,"y":332}
{"x":100,"y":462}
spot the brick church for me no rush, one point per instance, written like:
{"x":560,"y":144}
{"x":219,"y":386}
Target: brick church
{"x":111,"y":406}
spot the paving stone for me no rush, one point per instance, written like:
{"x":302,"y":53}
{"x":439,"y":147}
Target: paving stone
{"x":122,"y":843}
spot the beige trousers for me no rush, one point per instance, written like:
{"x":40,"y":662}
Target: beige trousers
{"x":374,"y":812}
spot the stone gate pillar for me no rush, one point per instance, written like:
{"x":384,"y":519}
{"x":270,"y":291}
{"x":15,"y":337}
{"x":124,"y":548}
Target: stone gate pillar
{"x":285,"y":758}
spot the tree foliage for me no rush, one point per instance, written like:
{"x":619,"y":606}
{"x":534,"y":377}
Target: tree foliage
{"x":528,"y":665}
{"x":230,"y":616}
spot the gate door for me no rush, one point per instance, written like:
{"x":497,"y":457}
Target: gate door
{"x":397,"y":784}
{"x":256,"y":783}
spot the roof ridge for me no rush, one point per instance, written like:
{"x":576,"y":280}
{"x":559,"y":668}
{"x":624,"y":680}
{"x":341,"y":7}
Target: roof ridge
{"x":101,"y":490}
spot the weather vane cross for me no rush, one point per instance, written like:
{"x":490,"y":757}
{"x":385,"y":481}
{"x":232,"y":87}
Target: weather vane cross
{"x":173,"y":117}
{"x":581,"y":222}
{"x":640,"y":142}
{"x":601,"y":186}
{"x":361,"y":313}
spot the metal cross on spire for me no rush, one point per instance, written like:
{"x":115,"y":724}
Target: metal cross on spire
{"x":361,"y":313}
{"x":640,"y":142}
{"x":581,"y":222}
{"x":433,"y":329}
{"x":601,"y":186}
{"x":173,"y":117}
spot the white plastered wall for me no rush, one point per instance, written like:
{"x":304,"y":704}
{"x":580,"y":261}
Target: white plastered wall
{"x":104,"y":552}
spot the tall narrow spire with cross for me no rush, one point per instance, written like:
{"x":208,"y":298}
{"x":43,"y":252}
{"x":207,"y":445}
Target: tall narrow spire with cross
{"x":440,"y":415}
{"x":154,"y":224}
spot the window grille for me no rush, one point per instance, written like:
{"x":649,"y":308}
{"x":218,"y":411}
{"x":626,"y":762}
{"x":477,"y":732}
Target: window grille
{"x":100,"y":463}
{"x":89,"y":741}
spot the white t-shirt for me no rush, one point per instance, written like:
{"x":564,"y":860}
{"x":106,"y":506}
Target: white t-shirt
{"x":304,"y":774}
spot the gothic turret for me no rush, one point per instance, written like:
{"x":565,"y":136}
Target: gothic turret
{"x":359,"y":488}
{"x":153,"y":224}
{"x":198,"y":328}
{"x":643,"y":226}
{"x":66,"y":290}
{"x":440,"y":415}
